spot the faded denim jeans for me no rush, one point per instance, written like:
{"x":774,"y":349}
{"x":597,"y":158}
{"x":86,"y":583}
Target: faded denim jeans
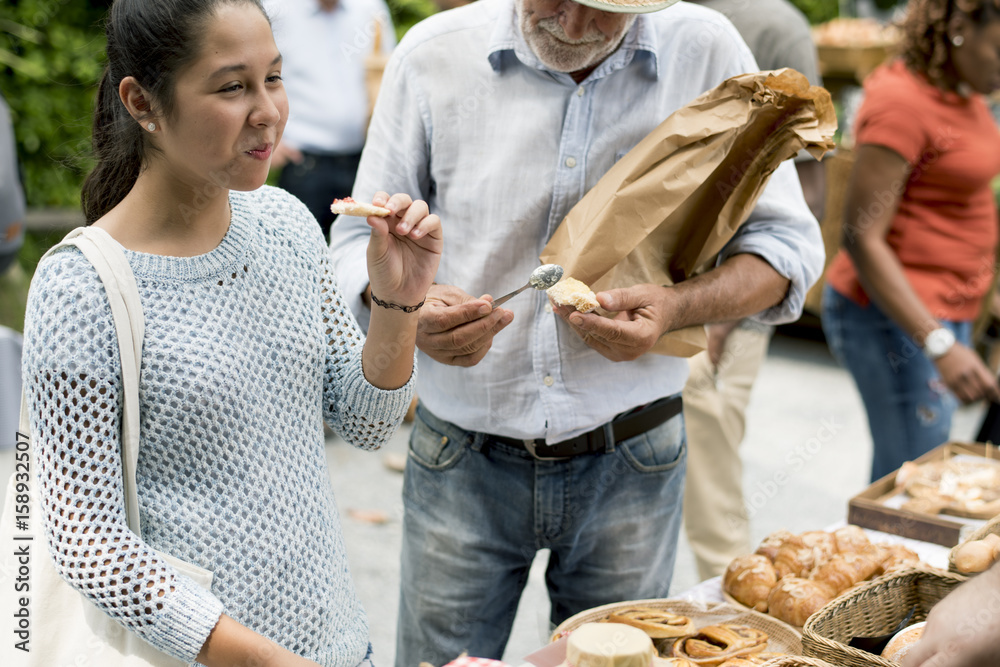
{"x":476,"y":512}
{"x":909,"y":407}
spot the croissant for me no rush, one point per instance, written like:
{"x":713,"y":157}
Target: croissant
{"x":672,"y":662}
{"x":851,"y":539}
{"x":795,"y":599}
{"x":750,"y":579}
{"x":655,"y":623}
{"x":845,"y":570}
{"x":823,"y":544}
{"x":895,"y":557}
{"x":794,"y":559}
{"x":770,"y":545}
{"x":714,"y":644}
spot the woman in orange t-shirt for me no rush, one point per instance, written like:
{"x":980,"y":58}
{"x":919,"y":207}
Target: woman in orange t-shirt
{"x":920,"y":230}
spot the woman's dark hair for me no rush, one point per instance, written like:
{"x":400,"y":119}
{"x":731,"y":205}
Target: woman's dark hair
{"x":925,"y":45}
{"x":151,"y":40}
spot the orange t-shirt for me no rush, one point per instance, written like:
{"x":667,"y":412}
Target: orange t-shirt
{"x":945,"y":230}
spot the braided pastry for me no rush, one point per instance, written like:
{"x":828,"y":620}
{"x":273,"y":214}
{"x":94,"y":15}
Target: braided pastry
{"x":714,"y":644}
{"x":655,"y":623}
{"x":749,"y":579}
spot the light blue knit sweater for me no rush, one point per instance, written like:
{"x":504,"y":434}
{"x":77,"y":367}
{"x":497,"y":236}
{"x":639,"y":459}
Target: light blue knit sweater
{"x":247,"y":349}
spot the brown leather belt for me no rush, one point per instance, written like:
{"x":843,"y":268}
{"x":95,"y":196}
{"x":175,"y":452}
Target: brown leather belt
{"x":625,"y":426}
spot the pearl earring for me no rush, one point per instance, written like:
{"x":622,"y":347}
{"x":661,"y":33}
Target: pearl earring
{"x":958,"y":40}
{"x":151,"y":127}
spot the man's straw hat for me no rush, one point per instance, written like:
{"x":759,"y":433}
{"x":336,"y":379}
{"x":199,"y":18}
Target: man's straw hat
{"x":629,"y":6}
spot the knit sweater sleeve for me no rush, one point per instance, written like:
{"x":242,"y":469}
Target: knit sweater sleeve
{"x":361,"y":413}
{"x":72,"y":377}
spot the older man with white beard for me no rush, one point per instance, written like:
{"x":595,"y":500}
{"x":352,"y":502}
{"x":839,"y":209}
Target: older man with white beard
{"x":544,"y":428}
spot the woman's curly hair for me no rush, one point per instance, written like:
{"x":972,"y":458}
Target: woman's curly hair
{"x":925,"y":46}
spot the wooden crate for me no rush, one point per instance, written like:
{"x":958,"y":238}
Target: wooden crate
{"x":868,"y":509}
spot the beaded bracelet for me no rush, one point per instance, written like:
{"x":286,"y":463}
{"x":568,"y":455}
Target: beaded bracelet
{"x":395,"y":306}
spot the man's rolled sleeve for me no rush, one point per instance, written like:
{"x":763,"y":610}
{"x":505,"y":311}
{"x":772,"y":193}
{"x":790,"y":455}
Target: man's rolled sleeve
{"x":782,"y":232}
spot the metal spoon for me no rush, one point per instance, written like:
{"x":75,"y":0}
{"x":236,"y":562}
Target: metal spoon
{"x":542,"y":278}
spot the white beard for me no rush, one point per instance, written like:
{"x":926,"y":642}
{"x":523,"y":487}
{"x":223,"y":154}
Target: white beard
{"x":558,"y":52}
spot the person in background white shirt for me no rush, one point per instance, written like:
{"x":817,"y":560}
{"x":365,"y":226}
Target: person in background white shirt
{"x":323,"y":45}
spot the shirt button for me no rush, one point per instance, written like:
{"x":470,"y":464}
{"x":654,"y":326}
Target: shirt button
{"x":579,"y":91}
{"x":549,"y":380}
{"x":548,"y":307}
{"x":571,"y":162}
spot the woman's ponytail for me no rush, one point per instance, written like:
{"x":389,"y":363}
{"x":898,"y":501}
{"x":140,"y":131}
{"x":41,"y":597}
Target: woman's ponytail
{"x":119,"y":149}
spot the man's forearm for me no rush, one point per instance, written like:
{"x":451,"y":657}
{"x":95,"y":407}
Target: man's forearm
{"x":741,"y":286}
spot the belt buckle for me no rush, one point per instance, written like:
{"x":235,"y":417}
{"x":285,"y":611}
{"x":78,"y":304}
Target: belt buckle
{"x":530,"y":446}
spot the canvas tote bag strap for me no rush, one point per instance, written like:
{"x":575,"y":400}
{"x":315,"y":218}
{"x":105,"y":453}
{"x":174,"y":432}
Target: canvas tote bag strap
{"x":108,"y":259}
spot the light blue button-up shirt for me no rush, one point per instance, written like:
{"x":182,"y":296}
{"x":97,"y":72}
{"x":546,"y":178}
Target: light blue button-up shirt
{"x":502,"y":148}
{"x":323,"y":66}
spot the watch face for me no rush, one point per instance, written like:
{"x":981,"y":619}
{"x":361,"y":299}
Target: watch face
{"x":938,"y":342}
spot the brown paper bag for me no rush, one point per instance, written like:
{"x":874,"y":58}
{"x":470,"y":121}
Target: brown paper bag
{"x":666,"y":209}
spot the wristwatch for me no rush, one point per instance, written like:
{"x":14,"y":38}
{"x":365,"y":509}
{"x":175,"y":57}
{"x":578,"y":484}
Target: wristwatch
{"x":938,"y":342}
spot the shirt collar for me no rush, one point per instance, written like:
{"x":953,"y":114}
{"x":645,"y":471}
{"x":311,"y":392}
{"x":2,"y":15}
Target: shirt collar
{"x":507,"y":45}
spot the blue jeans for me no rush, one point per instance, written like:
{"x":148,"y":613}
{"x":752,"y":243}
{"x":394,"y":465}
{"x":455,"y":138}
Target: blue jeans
{"x":476,"y":512}
{"x":909,"y":407}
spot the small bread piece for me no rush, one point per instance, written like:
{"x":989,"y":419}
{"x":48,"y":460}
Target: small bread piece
{"x":572,"y":292}
{"x":973,"y":557}
{"x":655,"y":623}
{"x":902,"y":642}
{"x":348,"y":206}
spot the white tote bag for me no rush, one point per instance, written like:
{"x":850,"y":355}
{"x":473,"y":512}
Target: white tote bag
{"x":57,"y":625}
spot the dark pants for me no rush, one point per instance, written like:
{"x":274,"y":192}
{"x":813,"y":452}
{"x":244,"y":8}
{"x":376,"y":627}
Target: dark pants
{"x":318,"y":180}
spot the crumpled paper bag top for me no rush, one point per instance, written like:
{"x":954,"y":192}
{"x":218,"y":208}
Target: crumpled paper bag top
{"x":664,"y":211}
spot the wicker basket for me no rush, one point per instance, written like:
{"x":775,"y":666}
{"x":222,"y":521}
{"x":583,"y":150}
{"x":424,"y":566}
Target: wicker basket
{"x":871,"y":610}
{"x":781,"y":637}
{"x":991,"y":527}
{"x":796,"y":661}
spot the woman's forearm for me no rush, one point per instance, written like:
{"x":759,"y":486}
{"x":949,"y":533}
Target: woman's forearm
{"x":881,"y":274}
{"x":387,"y":359}
{"x":231,"y":643}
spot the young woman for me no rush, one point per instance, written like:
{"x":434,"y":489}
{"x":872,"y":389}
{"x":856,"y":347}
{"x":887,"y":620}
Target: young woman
{"x":248,"y":347}
{"x":920,"y":230}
